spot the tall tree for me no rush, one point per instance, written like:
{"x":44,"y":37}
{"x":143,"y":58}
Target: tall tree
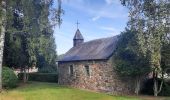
{"x":27,"y":22}
{"x":129,"y":61}
{"x":38,"y":30}
{"x":2,"y":35}
{"x":150,"y":18}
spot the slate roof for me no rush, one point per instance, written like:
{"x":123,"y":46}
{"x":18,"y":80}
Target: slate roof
{"x":78,"y":35}
{"x":98,"y":49}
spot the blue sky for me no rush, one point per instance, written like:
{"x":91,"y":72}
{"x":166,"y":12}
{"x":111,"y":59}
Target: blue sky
{"x":97,"y":18}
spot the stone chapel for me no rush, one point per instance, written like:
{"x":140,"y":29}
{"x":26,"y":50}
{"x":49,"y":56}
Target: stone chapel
{"x":90,"y":65}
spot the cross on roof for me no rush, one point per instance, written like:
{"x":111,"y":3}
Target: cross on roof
{"x":77,"y":24}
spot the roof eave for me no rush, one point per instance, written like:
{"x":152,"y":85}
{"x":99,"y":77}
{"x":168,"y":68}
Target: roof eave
{"x":85,"y":60}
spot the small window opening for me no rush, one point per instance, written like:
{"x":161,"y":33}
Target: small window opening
{"x":71,"y":70}
{"x":87,"y":70}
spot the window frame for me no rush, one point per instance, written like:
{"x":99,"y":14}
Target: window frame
{"x":71,"y":70}
{"x":87,"y":70}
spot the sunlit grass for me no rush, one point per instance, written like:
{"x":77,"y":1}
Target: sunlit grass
{"x":50,"y":91}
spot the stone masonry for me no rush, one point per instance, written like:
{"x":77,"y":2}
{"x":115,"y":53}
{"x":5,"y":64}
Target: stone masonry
{"x":103,"y":77}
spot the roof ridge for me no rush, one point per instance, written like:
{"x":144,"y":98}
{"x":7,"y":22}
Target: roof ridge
{"x":99,"y":39}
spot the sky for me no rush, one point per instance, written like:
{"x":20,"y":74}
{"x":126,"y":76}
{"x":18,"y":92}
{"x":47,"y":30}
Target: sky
{"x":97,"y":18}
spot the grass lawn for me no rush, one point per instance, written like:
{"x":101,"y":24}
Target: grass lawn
{"x":51,"y":91}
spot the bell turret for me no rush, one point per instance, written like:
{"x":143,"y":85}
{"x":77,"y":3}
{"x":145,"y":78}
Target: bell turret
{"x":78,"y":38}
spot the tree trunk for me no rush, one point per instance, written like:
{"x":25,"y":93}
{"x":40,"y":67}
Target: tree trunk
{"x":157,"y":89}
{"x":25,"y":75}
{"x":2,"y":37}
{"x":137,"y":85}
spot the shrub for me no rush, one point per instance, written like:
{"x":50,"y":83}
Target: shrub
{"x":41,"y":77}
{"x":9,"y":79}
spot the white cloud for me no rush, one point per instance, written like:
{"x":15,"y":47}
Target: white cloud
{"x":73,"y":1}
{"x":109,"y":1}
{"x":112,"y":9}
{"x":111,"y":30}
{"x":96,"y":18}
{"x":108,"y":28}
{"x":104,"y":13}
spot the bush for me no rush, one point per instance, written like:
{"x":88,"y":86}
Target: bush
{"x":9,"y":79}
{"x":41,"y":77}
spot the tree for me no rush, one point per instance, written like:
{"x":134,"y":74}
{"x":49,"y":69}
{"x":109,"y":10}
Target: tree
{"x":2,"y":35}
{"x":26,"y":21}
{"x":38,"y":30}
{"x":165,"y":57}
{"x":129,"y":60}
{"x":150,"y":18}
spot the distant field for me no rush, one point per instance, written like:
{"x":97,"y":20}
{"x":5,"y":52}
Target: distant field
{"x":51,"y":91}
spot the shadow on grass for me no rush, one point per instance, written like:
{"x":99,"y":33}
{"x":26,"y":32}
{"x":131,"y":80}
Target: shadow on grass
{"x":34,"y":86}
{"x":77,"y":94}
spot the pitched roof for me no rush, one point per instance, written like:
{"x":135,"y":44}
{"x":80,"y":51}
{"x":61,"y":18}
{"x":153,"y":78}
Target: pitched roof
{"x":92,"y":50}
{"x":78,"y":35}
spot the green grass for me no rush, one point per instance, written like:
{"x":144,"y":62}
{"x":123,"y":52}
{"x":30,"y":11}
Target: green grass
{"x":51,"y":91}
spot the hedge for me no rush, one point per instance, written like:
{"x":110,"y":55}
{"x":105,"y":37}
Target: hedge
{"x":41,"y":77}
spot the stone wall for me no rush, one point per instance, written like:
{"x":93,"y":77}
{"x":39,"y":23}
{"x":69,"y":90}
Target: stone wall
{"x":103,"y":77}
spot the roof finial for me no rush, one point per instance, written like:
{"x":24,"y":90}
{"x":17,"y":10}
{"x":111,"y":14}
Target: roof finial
{"x":77,"y":24}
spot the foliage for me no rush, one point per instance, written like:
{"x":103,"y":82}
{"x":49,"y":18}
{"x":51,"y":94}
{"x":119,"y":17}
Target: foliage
{"x":29,"y":39}
{"x":150,"y":18}
{"x":165,"y":54}
{"x":9,"y":79}
{"x":41,"y":77}
{"x":51,"y":91}
{"x":60,"y":56}
{"x":128,"y":59}
{"x":25,"y":20}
